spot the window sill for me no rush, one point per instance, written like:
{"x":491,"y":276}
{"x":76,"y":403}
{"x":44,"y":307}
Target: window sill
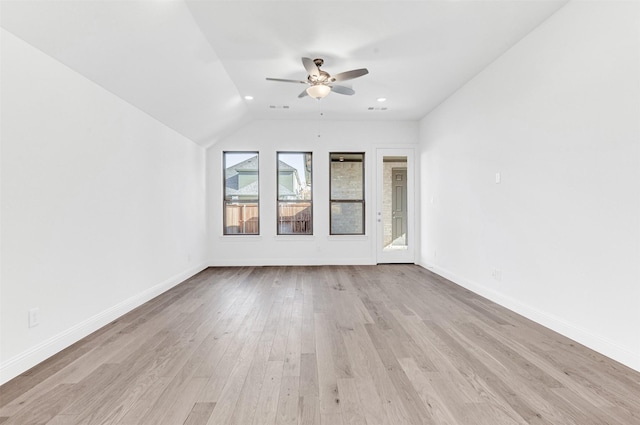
{"x":338,"y":238}
{"x":294,"y":237}
{"x":244,"y":238}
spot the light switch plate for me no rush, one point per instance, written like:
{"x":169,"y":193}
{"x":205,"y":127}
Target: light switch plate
{"x":34,"y":317}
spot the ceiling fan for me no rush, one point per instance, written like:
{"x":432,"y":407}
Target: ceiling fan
{"x":320,"y":82}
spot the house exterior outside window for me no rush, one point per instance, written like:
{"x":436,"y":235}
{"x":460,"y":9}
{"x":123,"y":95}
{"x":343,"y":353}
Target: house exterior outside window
{"x":295,"y":203}
{"x":241,"y":193}
{"x":346,"y":177}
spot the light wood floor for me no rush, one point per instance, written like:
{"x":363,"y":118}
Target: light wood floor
{"x":391,"y":344}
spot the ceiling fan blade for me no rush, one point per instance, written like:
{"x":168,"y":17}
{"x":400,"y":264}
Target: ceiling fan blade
{"x":311,"y":67}
{"x":343,"y":90}
{"x":348,"y":75}
{"x":283,"y":80}
{"x":303,"y":94}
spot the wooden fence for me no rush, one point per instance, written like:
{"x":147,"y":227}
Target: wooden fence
{"x":294,"y":218}
{"x":241,"y":219}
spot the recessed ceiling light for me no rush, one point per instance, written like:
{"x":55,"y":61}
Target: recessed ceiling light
{"x":382,"y":99}
{"x":248,"y":97}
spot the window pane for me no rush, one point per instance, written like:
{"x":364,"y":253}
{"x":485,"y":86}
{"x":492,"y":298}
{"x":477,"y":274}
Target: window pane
{"x":241,"y":193}
{"x":294,"y":193}
{"x":241,"y":218}
{"x":294,"y":176}
{"x":346,"y":176}
{"x":347,"y":193}
{"x":347,"y":218}
{"x":294,"y":218}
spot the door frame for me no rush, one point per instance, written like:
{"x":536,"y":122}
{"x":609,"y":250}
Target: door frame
{"x":395,"y":256}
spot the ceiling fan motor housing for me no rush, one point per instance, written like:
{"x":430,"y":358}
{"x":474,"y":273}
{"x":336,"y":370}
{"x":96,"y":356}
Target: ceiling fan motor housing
{"x":321,"y":78}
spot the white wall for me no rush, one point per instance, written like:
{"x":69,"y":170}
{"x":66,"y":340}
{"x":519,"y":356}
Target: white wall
{"x":102,"y":206}
{"x":269,"y":137}
{"x":559,"y":117}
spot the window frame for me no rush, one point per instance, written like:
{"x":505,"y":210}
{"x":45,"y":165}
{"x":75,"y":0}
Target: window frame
{"x":333,"y":201}
{"x":226,"y":202}
{"x":279,"y":201}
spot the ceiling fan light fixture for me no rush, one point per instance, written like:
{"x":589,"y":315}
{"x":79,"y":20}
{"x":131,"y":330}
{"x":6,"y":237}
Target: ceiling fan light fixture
{"x":318,"y":91}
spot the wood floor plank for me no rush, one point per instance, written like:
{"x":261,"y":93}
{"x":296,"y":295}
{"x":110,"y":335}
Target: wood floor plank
{"x":62,"y":420}
{"x":408,"y":396}
{"x":359,"y":345}
{"x":307,"y":337}
{"x":238,"y":351}
{"x":535,"y":384}
{"x":282,"y":331}
{"x":331,"y":419}
{"x":245,"y":408}
{"x":440,"y":410}
{"x":309,"y":411}
{"x":44,"y":370}
{"x":576,"y":407}
{"x":174,"y":407}
{"x":486,"y":382}
{"x":267,"y":407}
{"x":90,"y":389}
{"x":487,"y":414}
{"x":234,"y":381}
{"x":200,"y":413}
{"x":124,"y":387}
{"x":373,"y":369}
{"x":352,"y":413}
{"x":293,"y":347}
{"x":49,"y":405}
{"x":145,"y":403}
{"x":309,"y":375}
{"x":329,"y":396}
{"x":372,"y":407}
{"x":288,"y":401}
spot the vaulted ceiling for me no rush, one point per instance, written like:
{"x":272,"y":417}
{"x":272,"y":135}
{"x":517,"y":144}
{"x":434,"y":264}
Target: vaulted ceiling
{"x":190,"y":63}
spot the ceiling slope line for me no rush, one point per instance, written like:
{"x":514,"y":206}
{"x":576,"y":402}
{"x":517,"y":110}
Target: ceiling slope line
{"x":84,"y":77}
{"x":506,"y":51}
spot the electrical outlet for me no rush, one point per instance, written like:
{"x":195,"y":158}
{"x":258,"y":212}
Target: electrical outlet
{"x":496,"y":274}
{"x":34,"y":317}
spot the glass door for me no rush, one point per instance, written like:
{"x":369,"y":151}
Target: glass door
{"x":395,"y":206}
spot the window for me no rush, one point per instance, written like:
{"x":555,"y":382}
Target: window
{"x":346,"y":176}
{"x":241,"y":194}
{"x":294,"y":194}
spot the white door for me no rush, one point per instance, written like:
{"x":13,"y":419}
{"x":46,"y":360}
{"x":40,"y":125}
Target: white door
{"x":395,"y":237}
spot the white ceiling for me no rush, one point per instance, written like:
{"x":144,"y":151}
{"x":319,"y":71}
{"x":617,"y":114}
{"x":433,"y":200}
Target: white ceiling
{"x":190,"y":63}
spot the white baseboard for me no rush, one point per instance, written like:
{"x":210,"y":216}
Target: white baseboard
{"x":583,"y":336}
{"x":24,"y":361}
{"x":257,"y":262}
